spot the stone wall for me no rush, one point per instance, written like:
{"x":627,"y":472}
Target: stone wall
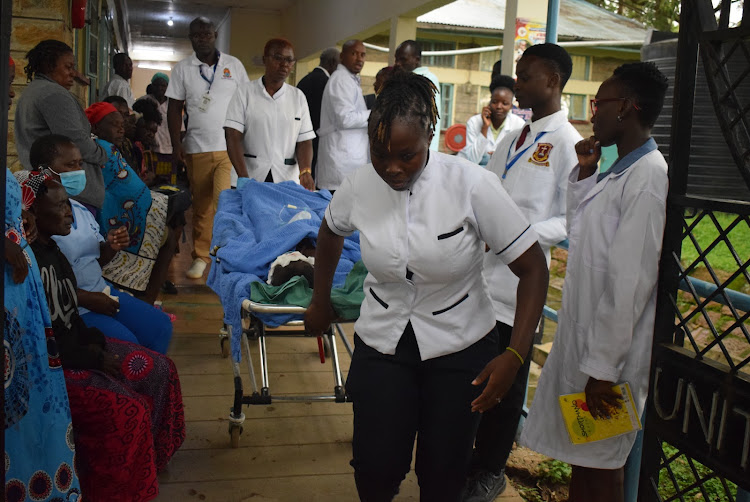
{"x":34,"y":21}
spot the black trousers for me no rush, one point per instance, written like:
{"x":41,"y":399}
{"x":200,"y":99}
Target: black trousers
{"x":399,"y":397}
{"x":497,"y":428}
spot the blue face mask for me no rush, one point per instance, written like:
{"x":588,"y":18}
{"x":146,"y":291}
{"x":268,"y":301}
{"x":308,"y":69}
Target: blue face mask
{"x":73,"y":181}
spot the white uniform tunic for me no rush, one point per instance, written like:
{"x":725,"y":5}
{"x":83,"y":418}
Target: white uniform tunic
{"x":478,"y":145}
{"x":343,"y":145}
{"x":192,"y":80}
{"x":609,"y":300}
{"x":423,"y":250}
{"x":537,"y":183}
{"x":118,"y":86}
{"x":272,"y":127}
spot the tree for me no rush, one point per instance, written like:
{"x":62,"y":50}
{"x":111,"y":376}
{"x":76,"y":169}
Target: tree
{"x":662,"y":15}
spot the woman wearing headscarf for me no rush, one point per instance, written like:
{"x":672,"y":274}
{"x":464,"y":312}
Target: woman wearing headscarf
{"x":125,"y":400}
{"x":48,"y":107}
{"x":39,"y":446}
{"x":143,"y":265}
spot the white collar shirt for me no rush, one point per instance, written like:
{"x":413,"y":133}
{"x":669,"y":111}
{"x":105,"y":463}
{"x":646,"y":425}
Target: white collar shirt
{"x":343,"y":146}
{"x":423,"y":249}
{"x":190,"y":81}
{"x":324,"y":71}
{"x":478,"y":145}
{"x":271,"y":126}
{"x":118,"y":86}
{"x":537,"y":182}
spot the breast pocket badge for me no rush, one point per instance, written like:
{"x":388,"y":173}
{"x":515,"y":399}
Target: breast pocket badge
{"x":540,"y":157}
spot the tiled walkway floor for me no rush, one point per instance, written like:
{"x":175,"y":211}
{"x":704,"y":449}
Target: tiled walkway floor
{"x":288,"y":451}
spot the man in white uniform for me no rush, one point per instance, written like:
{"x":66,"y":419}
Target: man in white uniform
{"x":343,"y":145}
{"x":533,"y":165}
{"x":203,"y":84}
{"x":268,"y":128}
{"x":118,"y":84}
{"x":409,"y":58}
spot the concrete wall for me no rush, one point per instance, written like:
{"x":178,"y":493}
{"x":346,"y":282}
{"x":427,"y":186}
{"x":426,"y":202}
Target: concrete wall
{"x":250,"y":30}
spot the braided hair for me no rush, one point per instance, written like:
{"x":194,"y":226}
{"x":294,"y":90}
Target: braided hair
{"x":43,"y":57}
{"x":406,"y":96}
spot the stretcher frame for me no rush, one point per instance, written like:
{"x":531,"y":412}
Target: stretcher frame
{"x":257,"y":330}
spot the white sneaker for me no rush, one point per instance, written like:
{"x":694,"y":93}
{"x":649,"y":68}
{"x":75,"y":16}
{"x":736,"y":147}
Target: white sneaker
{"x":196,"y":269}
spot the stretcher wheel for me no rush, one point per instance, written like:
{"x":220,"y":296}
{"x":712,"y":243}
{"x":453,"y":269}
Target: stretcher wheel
{"x":235,"y":433}
{"x":225,"y":347}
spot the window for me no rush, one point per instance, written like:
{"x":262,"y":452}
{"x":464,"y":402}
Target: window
{"x":581,"y":67}
{"x":446,"y":106}
{"x":92,"y":49}
{"x":443,"y":61}
{"x":488,"y":59}
{"x":577,"y":106}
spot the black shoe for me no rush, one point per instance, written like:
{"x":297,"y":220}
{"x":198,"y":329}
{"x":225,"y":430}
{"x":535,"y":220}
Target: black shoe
{"x":485,"y":486}
{"x":169,"y":288}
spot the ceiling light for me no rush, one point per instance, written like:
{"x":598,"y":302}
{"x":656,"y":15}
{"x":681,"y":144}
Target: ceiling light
{"x":170,"y":22}
{"x":153,"y":65}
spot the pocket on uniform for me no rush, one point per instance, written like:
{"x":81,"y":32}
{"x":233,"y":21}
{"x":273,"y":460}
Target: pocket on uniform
{"x":595,"y":250}
{"x":451,"y":234}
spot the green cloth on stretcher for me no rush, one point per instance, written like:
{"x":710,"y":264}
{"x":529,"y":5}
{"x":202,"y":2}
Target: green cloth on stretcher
{"x":346,"y":300}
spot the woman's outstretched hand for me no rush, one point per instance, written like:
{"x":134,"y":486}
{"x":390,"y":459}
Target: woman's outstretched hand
{"x":499,"y":374}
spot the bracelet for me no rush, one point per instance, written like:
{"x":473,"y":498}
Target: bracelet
{"x":511,"y":349}
{"x":306,"y":170}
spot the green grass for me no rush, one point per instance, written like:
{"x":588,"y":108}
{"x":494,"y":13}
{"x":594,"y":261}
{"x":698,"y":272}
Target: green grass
{"x":684,"y":477}
{"x":720,"y":257}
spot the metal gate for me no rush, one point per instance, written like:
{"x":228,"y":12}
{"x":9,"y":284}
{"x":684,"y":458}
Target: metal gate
{"x":697,"y":431}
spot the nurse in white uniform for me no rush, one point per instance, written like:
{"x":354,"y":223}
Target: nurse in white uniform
{"x":268,"y":128}
{"x":425,"y":359}
{"x":604,"y":336}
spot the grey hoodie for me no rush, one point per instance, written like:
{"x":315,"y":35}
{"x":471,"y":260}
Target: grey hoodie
{"x":46,"y":107}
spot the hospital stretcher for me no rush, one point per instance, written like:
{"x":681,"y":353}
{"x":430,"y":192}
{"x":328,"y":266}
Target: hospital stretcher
{"x":252,"y":227}
{"x":257,"y":331}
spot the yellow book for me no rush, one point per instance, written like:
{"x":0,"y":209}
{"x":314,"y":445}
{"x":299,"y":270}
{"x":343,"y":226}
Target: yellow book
{"x":583,"y":428}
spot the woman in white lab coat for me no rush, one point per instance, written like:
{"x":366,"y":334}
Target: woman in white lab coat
{"x":605,"y":330}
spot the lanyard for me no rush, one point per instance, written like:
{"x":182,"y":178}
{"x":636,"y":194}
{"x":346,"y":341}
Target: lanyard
{"x":511,"y":162}
{"x":210,"y":82}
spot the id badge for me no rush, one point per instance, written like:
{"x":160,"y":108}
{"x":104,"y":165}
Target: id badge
{"x":205,"y":103}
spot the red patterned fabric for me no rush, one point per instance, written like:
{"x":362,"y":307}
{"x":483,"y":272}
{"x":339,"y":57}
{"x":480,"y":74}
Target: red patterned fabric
{"x":126,"y":428}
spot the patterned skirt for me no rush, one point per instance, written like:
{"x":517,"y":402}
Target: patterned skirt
{"x":126,"y":428}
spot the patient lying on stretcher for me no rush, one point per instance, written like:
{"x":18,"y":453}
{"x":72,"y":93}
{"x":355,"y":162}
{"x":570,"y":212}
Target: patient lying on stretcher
{"x":294,"y":263}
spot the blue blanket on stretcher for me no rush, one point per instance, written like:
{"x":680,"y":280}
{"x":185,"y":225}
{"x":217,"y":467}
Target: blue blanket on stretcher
{"x":252,"y":227}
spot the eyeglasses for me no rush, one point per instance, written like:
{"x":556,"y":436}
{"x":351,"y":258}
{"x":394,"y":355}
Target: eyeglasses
{"x":282,"y":60}
{"x":596,"y":102}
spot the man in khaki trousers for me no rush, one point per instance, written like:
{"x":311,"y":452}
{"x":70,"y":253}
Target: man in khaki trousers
{"x":203,"y":84}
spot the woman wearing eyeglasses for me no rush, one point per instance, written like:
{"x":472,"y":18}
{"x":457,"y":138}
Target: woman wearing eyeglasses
{"x":268,"y":127}
{"x":606,"y":323}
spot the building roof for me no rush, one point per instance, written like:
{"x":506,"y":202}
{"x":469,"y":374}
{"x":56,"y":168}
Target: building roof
{"x":579,"y":20}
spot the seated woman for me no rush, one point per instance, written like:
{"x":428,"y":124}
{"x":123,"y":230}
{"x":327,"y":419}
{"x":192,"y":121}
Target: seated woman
{"x":485,"y":130}
{"x":35,"y":395}
{"x":118,"y":314}
{"x":125,"y":400}
{"x":145,"y":138}
{"x":142,"y":266}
